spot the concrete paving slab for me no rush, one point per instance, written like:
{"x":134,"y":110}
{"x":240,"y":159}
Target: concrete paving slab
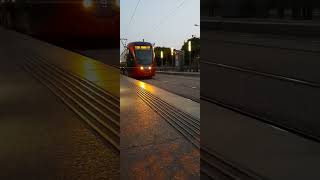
{"x":150,"y":147}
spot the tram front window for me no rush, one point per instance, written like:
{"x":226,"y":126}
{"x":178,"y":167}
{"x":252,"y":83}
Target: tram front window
{"x":144,"y":56}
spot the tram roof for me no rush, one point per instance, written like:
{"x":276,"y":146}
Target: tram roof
{"x":139,"y":43}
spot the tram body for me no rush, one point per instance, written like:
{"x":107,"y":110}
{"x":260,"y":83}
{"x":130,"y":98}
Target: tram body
{"x":137,"y":60}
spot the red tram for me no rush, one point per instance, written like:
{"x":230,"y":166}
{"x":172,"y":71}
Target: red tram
{"x":137,"y":60}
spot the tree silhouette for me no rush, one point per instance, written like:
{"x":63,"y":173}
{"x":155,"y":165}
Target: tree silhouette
{"x":166,"y":55}
{"x":195,"y":49}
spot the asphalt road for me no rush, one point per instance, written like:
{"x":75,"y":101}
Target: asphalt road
{"x":185,"y":86}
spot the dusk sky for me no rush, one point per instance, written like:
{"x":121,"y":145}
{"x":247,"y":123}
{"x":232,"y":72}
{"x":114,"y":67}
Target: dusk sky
{"x":163,"y":22}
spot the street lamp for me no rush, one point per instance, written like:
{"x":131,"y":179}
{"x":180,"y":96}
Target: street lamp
{"x":172,"y":51}
{"x":189,"y":49}
{"x":161,"y":56}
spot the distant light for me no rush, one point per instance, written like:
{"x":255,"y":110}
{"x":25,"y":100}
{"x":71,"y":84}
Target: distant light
{"x":171,"y":51}
{"x":141,"y":68}
{"x":189,"y":46}
{"x":161,"y":54}
{"x":87,"y":3}
{"x":149,"y":67}
{"x":142,"y":47}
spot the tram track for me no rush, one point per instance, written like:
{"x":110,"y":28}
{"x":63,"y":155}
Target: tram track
{"x":244,"y":41}
{"x":214,"y":166}
{"x":259,"y":116}
{"x":99,"y":109}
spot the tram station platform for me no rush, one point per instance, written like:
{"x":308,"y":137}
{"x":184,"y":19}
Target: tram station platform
{"x":50,"y":102}
{"x":160,"y":133}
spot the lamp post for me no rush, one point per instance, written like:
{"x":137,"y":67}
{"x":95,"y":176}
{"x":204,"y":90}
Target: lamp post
{"x":161,"y":56}
{"x":172,"y":52}
{"x":189,"y":49}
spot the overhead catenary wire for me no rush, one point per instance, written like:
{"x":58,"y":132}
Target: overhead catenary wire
{"x":171,"y":14}
{"x":157,"y":26}
{"x":132,"y":16}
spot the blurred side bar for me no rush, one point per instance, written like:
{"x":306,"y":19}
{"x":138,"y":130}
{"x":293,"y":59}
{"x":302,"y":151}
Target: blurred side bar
{"x":59,"y":112}
{"x":259,"y":90}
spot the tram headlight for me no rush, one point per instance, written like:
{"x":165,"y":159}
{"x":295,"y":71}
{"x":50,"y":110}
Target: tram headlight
{"x":149,"y":67}
{"x":141,"y":68}
{"x":87,"y":3}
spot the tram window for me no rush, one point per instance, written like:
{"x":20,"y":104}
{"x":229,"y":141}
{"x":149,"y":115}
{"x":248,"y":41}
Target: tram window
{"x":130,"y":60}
{"x":144,"y":56}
